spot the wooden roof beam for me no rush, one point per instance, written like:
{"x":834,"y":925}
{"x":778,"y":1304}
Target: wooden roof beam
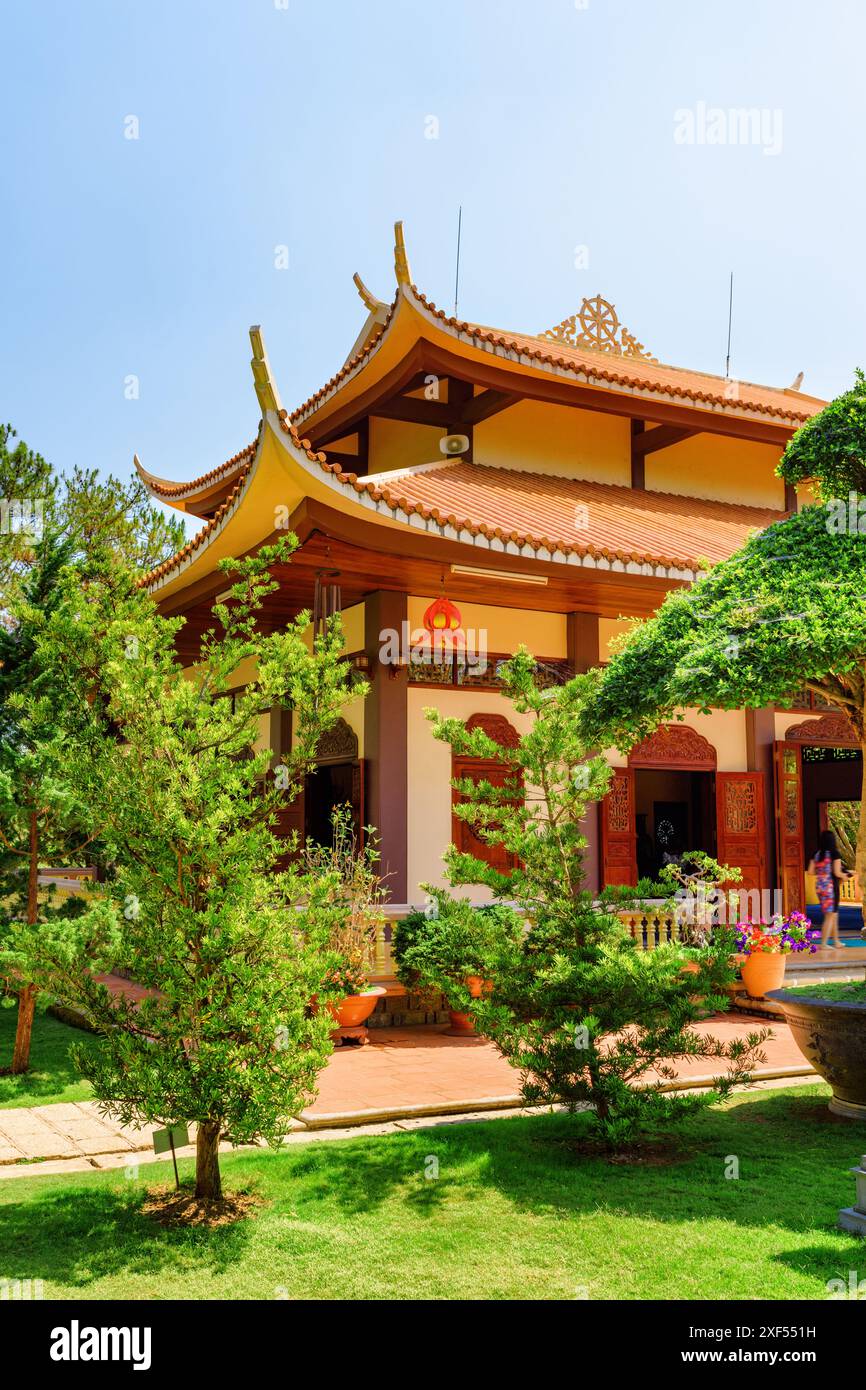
{"x":488,"y":403}
{"x":661,"y":437}
{"x":414,"y":410}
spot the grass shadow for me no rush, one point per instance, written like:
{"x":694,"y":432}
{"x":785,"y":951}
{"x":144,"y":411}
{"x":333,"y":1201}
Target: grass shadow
{"x":772,"y":1158}
{"x":100,"y":1231}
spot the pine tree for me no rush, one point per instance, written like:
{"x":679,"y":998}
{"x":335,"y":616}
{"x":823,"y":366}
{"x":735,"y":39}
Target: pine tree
{"x":588,"y":1019}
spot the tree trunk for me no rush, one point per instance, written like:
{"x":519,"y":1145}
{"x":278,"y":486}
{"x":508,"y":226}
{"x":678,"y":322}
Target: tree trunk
{"x":208,"y":1182}
{"x":26,"y":1011}
{"x":27,"y":996}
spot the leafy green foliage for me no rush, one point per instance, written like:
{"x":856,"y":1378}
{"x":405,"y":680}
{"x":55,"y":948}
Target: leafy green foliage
{"x":168,"y":766}
{"x":51,"y":521}
{"x":830,"y":449}
{"x":586,"y":1018}
{"x":787,"y":610}
{"x":349,"y":896}
{"x":452,"y":942}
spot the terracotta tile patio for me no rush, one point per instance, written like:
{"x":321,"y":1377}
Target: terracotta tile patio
{"x":419,"y":1066}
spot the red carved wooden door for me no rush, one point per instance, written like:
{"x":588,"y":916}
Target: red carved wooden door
{"x":740,"y":835}
{"x":465,"y":836}
{"x":790,"y":848}
{"x":618,"y":830}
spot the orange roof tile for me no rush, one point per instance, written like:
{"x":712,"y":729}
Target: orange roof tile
{"x":207,"y":530}
{"x":701,"y":387}
{"x":622,"y":523}
{"x":163,"y":489}
{"x":535,"y":512}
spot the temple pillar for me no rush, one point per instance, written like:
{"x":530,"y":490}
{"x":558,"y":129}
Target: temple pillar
{"x":760,"y":740}
{"x":386,"y":742}
{"x":584,"y":649}
{"x":584,"y":652}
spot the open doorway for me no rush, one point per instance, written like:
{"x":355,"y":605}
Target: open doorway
{"x":329,"y":785}
{"x":675,"y":811}
{"x":832,"y":782}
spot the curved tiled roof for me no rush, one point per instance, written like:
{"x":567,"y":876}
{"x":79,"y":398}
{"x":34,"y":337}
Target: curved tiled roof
{"x":216,"y":522}
{"x":161,"y":488}
{"x":349,"y":366}
{"x":561,"y":518}
{"x":622,"y":523}
{"x":633,"y":373}
{"x":700,"y":387}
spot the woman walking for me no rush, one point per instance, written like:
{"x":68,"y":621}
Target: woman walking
{"x":826,"y":865}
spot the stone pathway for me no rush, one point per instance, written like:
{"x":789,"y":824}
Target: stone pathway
{"x":74,"y":1130}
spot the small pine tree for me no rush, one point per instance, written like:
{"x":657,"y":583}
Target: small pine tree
{"x":170,"y":767}
{"x":589,"y":1020}
{"x":50,"y":521}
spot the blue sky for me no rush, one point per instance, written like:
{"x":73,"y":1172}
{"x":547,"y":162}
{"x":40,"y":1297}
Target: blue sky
{"x":305,"y":126}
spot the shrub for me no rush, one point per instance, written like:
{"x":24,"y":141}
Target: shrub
{"x":588,"y":1020}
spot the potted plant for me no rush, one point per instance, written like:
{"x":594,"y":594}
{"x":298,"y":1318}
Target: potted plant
{"x":765,"y":948}
{"x":348,"y":895}
{"x":448,"y":949}
{"x":828,"y":1024}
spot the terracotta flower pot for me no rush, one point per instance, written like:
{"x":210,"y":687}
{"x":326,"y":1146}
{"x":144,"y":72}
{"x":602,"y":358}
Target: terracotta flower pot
{"x":461,"y":1025}
{"x":355,"y":1009}
{"x":763,"y":971}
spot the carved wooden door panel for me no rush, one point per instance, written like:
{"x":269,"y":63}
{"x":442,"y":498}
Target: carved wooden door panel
{"x":465,"y":836}
{"x":740,"y":834}
{"x":618,"y":830}
{"x":790,"y":848}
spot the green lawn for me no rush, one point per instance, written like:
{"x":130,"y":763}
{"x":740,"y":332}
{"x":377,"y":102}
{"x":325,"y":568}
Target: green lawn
{"x":51,"y":1076}
{"x":849,"y":991}
{"x":514,"y":1213}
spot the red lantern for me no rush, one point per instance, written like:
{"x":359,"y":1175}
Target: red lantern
{"x":442,"y":616}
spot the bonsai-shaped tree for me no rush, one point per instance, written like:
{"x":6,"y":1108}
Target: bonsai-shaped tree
{"x":168,"y":763}
{"x":53,"y":521}
{"x":786,"y":612}
{"x":586,"y":1017}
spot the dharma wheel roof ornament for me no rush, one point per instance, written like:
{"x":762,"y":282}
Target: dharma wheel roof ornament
{"x":596,"y":326}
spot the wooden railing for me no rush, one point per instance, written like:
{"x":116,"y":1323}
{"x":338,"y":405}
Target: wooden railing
{"x":849,"y":891}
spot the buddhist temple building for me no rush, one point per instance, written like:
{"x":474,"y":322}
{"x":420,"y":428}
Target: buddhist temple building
{"x":549,"y":488}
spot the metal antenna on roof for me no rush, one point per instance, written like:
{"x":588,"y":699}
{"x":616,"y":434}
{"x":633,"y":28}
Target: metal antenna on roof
{"x":730,"y":317}
{"x":457,"y":272}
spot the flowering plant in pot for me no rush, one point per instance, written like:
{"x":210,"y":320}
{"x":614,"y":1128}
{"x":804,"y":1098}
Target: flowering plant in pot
{"x":348,"y":893}
{"x":765,"y":947}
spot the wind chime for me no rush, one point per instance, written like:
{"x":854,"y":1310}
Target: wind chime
{"x":327,"y":600}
